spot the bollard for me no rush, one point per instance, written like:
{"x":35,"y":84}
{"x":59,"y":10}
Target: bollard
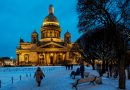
{"x":12,"y":80}
{"x":26,"y":75}
{"x":20,"y":77}
{"x":0,"y":83}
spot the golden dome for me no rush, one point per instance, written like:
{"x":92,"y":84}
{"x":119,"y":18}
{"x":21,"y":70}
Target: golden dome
{"x":51,"y":19}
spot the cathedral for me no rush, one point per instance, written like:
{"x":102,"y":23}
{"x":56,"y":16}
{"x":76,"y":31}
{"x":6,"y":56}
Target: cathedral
{"x":50,"y":49}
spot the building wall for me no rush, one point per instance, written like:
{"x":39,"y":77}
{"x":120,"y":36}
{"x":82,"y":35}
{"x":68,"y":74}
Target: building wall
{"x":44,"y":54}
{"x":33,"y":57}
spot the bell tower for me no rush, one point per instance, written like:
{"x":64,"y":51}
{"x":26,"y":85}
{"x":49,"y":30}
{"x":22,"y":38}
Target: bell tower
{"x":34,"y":37}
{"x":67,"y":38}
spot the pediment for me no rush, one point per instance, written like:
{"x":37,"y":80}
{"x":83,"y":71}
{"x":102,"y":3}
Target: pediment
{"x":52,"y":45}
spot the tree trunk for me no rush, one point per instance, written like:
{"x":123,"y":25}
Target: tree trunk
{"x":121,"y":50}
{"x":128,"y":73}
{"x":93,"y":67}
{"x":93,"y":64}
{"x":122,"y":72}
{"x":103,"y":67}
{"x":128,"y":66}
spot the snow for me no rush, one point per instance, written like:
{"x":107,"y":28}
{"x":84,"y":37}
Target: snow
{"x":57,"y":78}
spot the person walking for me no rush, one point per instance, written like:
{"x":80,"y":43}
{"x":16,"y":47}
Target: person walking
{"x":39,"y":76}
{"x":82,"y":69}
{"x":77,"y":72}
{"x":71,"y":66}
{"x":68,"y":66}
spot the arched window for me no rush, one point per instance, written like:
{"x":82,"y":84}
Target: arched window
{"x":54,"y":34}
{"x":50,"y":34}
{"x":26,"y":58}
{"x":58,"y":35}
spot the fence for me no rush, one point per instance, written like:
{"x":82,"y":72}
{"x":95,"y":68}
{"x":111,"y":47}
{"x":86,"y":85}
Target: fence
{"x":12,"y":80}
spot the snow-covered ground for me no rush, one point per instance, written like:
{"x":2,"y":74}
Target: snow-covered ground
{"x":57,"y":78}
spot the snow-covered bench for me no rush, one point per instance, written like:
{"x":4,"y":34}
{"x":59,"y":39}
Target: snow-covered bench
{"x":86,"y":74}
{"x":90,"y":79}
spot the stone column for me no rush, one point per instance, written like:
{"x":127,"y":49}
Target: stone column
{"x":52,"y":33}
{"x":55,"y":61}
{"x":56,"y":58}
{"x":17,"y":59}
{"x":37,"y":58}
{"x":45,"y":58}
{"x":63,"y":57}
{"x":48,"y":58}
{"x":67,"y":55}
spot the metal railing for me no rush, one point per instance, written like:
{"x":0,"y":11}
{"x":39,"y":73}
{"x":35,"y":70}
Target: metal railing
{"x":12,"y":80}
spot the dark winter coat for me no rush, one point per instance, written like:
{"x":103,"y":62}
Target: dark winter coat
{"x":39,"y":75}
{"x":82,"y":69}
{"x":78,"y":71}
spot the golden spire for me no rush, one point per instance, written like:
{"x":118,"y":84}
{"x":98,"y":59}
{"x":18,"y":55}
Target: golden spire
{"x":51,"y":9}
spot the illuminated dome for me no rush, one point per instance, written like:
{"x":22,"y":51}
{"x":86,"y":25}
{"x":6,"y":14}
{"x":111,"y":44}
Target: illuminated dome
{"x":50,"y":19}
{"x":50,"y":30}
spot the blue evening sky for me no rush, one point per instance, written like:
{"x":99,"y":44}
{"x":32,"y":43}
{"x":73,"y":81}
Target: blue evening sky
{"x":19,"y":18}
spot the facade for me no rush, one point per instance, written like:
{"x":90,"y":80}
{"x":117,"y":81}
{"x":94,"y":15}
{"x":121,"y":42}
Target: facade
{"x":50,"y":49}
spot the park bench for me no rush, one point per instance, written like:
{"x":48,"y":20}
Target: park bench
{"x":86,"y":74}
{"x":91,"y":79}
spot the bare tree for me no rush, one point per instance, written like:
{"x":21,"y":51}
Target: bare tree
{"x":95,"y":47}
{"x":114,"y":15}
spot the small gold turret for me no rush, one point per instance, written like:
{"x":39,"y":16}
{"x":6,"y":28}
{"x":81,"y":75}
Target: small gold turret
{"x":67,"y":37}
{"x":34,"y":37}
